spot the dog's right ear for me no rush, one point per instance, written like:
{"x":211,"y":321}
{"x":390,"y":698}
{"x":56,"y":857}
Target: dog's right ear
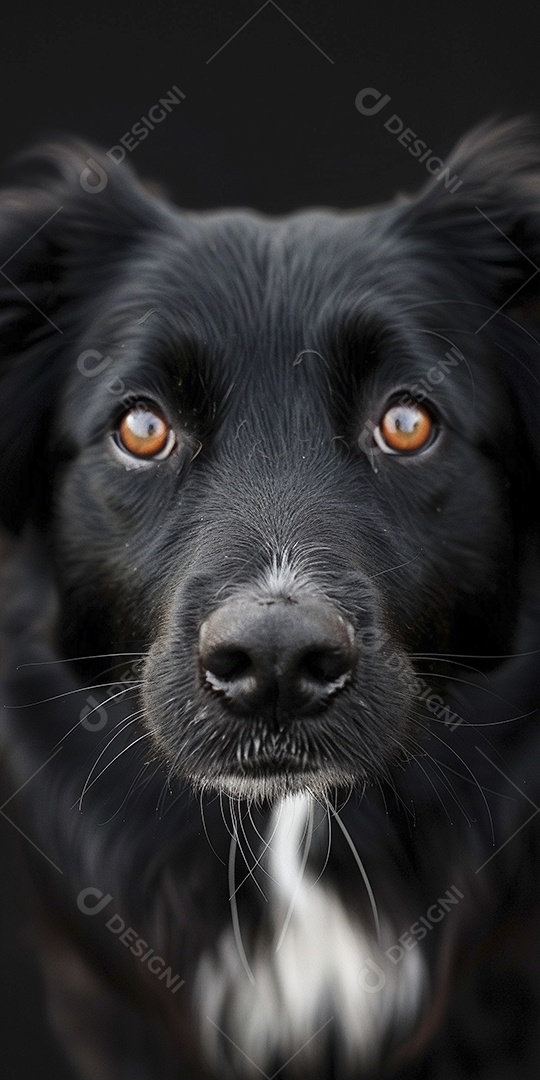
{"x":484,"y":232}
{"x":66,"y":214}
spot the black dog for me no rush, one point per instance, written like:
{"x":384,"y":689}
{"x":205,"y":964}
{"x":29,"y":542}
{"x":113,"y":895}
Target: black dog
{"x":271,"y":620}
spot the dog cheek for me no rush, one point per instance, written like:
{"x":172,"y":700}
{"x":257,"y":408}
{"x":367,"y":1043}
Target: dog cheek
{"x":173,"y":704}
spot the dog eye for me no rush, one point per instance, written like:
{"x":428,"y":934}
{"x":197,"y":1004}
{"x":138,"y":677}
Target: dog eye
{"x":144,"y":433}
{"x":404,"y":427}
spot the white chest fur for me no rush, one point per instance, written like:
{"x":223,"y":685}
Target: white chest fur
{"x":316,"y":970}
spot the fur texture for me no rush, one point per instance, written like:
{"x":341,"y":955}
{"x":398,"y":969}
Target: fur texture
{"x":271,"y":692}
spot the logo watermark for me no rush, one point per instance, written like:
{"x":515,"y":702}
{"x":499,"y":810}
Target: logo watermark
{"x":418,"y":930}
{"x":91,"y":363}
{"x":92,"y":901}
{"x":370,"y":101}
{"x":94,"y":178}
{"x":372,"y":641}
{"x":372,"y":978}
{"x":93,"y":715}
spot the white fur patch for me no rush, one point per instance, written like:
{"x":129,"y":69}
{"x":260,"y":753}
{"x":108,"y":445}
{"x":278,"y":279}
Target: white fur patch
{"x":317,"y":969}
{"x":284,"y":579}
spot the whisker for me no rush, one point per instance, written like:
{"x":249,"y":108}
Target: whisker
{"x":475,"y":779}
{"x":234,"y":910}
{"x":109,"y":698}
{"x":447,"y":785}
{"x":482,"y":656}
{"x":240,"y":821}
{"x":205,"y":829}
{"x":66,"y":693}
{"x":234,"y":823}
{"x":125,"y":724}
{"x":145,"y":735}
{"x":132,"y":787}
{"x":489,"y":723}
{"x":383,"y":796}
{"x":164,"y":790}
{"x":390,"y":783}
{"x":464,"y":682}
{"x":266,"y":845}
{"x":250,"y":869}
{"x":446,"y":660}
{"x":467,"y":779}
{"x":231,"y":834}
{"x":432,"y":784}
{"x":73,"y":659}
{"x":362,"y":870}
{"x":398,"y":566}
{"x":326,"y":809}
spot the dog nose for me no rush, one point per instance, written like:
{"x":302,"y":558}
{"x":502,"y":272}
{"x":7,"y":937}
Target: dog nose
{"x":276,"y":656}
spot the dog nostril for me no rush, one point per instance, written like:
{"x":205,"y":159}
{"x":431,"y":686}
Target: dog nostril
{"x":227,"y":665}
{"x":325,"y":665}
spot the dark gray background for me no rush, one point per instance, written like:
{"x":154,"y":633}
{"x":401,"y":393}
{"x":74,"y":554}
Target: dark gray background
{"x":270,"y":122}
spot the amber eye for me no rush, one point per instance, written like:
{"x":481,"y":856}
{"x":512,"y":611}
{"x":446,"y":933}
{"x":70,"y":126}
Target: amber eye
{"x":405,"y":427}
{"x":143,"y":432}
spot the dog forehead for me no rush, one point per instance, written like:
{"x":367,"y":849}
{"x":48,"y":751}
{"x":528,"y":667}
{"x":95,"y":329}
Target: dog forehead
{"x":231,"y":292}
{"x":237,"y":306}
{"x":297,"y":260}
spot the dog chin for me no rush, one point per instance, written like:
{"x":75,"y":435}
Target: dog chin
{"x":267,"y":787}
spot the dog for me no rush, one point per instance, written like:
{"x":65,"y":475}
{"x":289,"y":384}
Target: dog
{"x":271,"y":619}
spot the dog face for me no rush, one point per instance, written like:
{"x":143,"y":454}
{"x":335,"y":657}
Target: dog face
{"x":285,"y":457}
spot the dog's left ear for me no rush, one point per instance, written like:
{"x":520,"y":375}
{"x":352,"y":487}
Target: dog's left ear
{"x":478,"y":223}
{"x":68,"y":217}
{"x":482,"y":211}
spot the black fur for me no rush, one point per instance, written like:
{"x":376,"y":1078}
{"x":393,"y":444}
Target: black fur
{"x":273,"y":347}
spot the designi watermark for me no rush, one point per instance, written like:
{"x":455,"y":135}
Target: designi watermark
{"x":93,"y":178}
{"x":93,"y":715}
{"x":92,"y":901}
{"x":91,"y":363}
{"x":372,"y":640}
{"x":370,"y":101}
{"x":372,"y":977}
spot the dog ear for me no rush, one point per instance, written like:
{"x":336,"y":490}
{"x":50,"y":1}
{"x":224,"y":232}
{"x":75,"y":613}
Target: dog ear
{"x":66,"y":213}
{"x":478,"y":223}
{"x":482,"y":210}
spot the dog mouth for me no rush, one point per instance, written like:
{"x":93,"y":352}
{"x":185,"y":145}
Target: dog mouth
{"x":257,"y":759}
{"x":254,"y":760}
{"x":264,"y":758}
{"x":269,"y":783}
{"x":264,"y":765}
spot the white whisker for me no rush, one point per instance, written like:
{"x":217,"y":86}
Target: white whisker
{"x":125,"y":724}
{"x":234,"y":911}
{"x":362,"y":870}
{"x":74,"y":659}
{"x":65,"y":694}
